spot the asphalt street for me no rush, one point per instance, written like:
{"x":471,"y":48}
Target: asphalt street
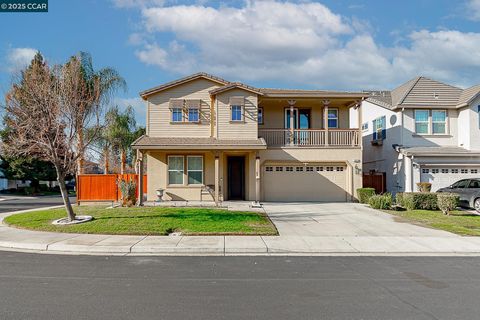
{"x":36,"y":286}
{"x":17,"y":204}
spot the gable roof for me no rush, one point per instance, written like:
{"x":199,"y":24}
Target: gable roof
{"x":180,"y":81}
{"x":423,"y":91}
{"x":235,"y":85}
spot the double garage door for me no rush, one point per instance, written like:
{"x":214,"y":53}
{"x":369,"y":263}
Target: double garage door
{"x":443,"y":177}
{"x":297,"y":182}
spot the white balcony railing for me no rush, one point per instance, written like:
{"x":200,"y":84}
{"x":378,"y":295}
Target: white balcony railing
{"x":311,"y":137}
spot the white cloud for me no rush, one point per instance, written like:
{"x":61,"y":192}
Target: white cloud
{"x":19,"y":58}
{"x":299,"y":43}
{"x":474,"y":8}
{"x":138,"y":106}
{"x":137,"y":3}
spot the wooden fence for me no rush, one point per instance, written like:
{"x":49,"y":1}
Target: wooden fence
{"x":376,"y":181}
{"x":103,"y":187}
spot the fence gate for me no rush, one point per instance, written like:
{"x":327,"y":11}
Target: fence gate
{"x":376,"y":181}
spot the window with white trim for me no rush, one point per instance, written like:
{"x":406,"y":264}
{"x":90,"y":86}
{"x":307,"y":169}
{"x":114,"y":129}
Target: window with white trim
{"x":379,"y":127}
{"x":339,"y":168}
{"x":289,"y":169}
{"x":177,"y":115}
{"x":464,"y":171}
{"x":439,"y":122}
{"x":309,"y":169}
{"x":175,"y":169}
{"x":444,"y":170}
{"x":193,"y":115}
{"x":279,"y":169}
{"x":425,"y":170}
{"x":299,"y":169}
{"x":236,"y":113}
{"x":430,"y":121}
{"x":260,"y":116}
{"x":269,"y":169}
{"x":332,"y":118}
{"x":474,"y":171}
{"x":365,"y":126}
{"x":454,"y":170}
{"x":421,"y":121}
{"x":319,"y":169}
{"x":195,"y":169}
{"x":329,"y":168}
{"x":435,"y":170}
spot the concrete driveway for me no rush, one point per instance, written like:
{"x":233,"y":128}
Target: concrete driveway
{"x":341,"y":220}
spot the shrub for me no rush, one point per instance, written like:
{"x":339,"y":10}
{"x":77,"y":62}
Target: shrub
{"x":381,"y":201}
{"x":399,"y":199}
{"x":419,"y":201}
{"x":128,"y":190}
{"x":424,"y":186}
{"x":364,"y":194}
{"x":447,"y":201}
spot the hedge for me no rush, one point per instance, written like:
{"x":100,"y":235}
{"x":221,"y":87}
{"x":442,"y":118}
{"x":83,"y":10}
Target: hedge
{"x":364,"y":194}
{"x":381,"y":201}
{"x":418,"y":200}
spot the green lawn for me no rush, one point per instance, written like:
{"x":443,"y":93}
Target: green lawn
{"x":459,"y":222}
{"x":150,"y":221}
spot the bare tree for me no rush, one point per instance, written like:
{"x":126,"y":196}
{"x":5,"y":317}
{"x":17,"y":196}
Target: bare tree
{"x":45,"y":111}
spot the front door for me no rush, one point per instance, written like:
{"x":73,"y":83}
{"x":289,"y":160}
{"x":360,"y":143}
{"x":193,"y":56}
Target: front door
{"x":236,"y":178}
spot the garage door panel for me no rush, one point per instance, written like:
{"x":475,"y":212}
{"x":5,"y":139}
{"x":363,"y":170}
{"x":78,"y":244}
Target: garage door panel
{"x":444,"y":177}
{"x":314,"y":185}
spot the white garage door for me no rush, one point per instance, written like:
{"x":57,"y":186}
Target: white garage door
{"x":296,"y":182}
{"x":443,"y":177}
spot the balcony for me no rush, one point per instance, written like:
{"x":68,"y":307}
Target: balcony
{"x":311,"y":137}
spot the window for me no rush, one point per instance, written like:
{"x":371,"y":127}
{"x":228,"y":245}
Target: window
{"x":474,"y":171}
{"x":279,"y":169}
{"x":444,"y":170}
{"x":464,"y":171}
{"x":333,"y":118}
{"x":329,"y":168}
{"x":193,"y":115}
{"x":260,"y":116}
{"x":425,"y":171}
{"x":237,"y":113}
{"x":379,"y":128}
{"x":269,"y":169}
{"x":289,"y":169}
{"x":439,"y":121}
{"x":421,"y":121}
{"x":177,"y":115}
{"x":460,"y":184}
{"x":365,"y":126}
{"x":454,"y":170}
{"x":339,"y":168}
{"x":175,"y":170}
{"x":309,"y":169}
{"x":474,"y":184}
{"x":319,"y":169}
{"x":299,"y":169}
{"x":195,"y":169}
{"x":435,"y":170}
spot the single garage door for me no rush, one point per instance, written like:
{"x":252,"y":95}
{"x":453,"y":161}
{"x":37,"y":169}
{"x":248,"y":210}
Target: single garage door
{"x":444,"y":177}
{"x":296,"y":182}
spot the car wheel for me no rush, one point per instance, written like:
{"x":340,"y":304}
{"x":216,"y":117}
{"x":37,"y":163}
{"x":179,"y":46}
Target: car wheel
{"x":476,"y":205}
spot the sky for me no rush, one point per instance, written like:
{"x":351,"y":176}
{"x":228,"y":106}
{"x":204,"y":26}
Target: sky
{"x":331,"y":44}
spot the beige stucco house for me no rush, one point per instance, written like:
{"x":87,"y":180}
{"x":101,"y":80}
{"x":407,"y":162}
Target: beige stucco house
{"x":213,"y":140}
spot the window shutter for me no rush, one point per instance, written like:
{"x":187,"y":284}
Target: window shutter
{"x":176,"y":103}
{"x":237,"y":101}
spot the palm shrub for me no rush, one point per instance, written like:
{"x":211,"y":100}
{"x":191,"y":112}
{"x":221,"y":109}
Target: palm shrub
{"x":447,"y":201}
{"x":424,"y":186}
{"x":381,"y":201}
{"x":364,"y":194}
{"x":128,"y":189}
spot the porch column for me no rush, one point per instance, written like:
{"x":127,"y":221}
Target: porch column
{"x":257,"y":179}
{"x":140,"y":178}
{"x":325,"y":121}
{"x":217,"y":176}
{"x":408,"y":173}
{"x":360,"y":123}
{"x":292,"y":120}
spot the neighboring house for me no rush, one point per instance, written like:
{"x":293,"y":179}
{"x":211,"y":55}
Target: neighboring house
{"x":422,"y":131}
{"x":211,"y":139}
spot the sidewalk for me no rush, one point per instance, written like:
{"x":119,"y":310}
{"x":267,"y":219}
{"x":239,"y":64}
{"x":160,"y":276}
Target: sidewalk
{"x":410,"y":245}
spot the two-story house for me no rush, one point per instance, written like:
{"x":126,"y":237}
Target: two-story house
{"x":422,"y":131}
{"x":213,"y":140}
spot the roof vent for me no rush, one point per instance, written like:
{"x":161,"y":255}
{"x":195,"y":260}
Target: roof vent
{"x":435,"y":95}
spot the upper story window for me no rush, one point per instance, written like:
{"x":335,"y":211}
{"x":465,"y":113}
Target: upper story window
{"x":333,"y":118}
{"x":365,"y":126}
{"x":177,"y":115}
{"x":379,"y":127}
{"x":193,"y":115}
{"x":236,"y":109}
{"x":260,"y":116}
{"x":430,"y":121}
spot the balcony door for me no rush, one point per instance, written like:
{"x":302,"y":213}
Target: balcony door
{"x":301,"y":120}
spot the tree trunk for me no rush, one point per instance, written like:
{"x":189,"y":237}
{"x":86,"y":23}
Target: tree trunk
{"x":64,"y":192}
{"x":106,"y":162}
{"x":80,"y":161}
{"x":124,"y":161}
